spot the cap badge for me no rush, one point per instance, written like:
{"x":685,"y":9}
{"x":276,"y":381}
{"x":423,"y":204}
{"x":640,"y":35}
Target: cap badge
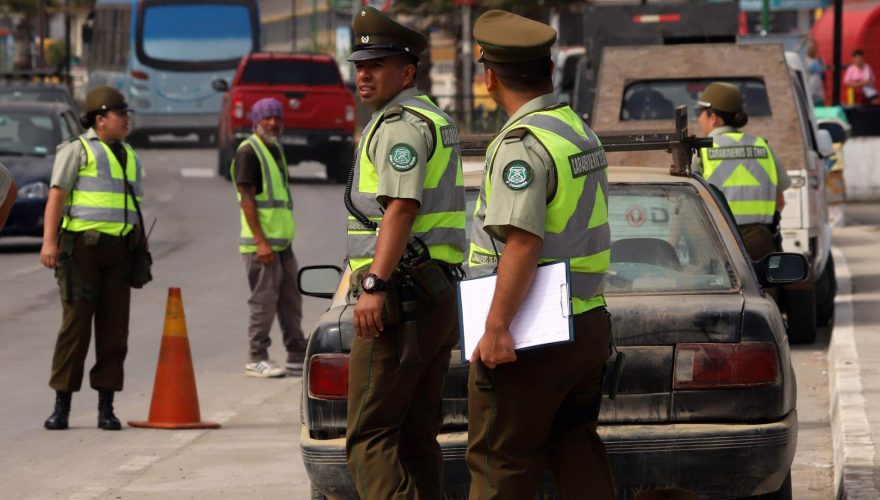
{"x":363,"y":13}
{"x":365,"y":39}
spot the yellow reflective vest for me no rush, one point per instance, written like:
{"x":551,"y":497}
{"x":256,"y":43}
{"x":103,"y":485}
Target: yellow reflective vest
{"x":440,"y":222}
{"x":743,"y":167}
{"x":99,"y":199}
{"x":576,"y":224}
{"x":274,"y":206}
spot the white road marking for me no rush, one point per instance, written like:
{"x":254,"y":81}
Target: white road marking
{"x":27,"y":270}
{"x":89,"y":492}
{"x":184,"y":437}
{"x":138,"y":463}
{"x":851,"y":433}
{"x":221,"y":417}
{"x":204,"y":173}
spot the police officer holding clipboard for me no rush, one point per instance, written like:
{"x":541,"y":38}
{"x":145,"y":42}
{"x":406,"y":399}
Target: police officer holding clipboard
{"x":543,"y":199}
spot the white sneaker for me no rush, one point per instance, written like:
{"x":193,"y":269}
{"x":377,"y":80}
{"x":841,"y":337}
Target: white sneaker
{"x":263,"y":369}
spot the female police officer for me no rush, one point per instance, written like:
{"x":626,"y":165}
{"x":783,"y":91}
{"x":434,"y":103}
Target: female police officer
{"x":94,"y":193}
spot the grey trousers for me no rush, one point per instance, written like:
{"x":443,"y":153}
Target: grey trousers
{"x":274,"y":291}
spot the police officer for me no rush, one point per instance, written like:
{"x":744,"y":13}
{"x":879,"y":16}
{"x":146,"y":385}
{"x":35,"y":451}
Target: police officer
{"x":543,"y":199}
{"x":267,"y":231}
{"x":743,"y":167}
{"x":94,"y":196}
{"x":406,"y":200}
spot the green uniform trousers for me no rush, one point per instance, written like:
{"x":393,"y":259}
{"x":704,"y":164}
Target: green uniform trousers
{"x":759,"y":243}
{"x":541,"y":413}
{"x":93,"y":275}
{"x":394,"y":410}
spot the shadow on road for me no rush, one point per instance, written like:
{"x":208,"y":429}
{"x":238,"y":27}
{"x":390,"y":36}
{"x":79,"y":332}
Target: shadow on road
{"x":823,"y":340}
{"x":28,"y":245}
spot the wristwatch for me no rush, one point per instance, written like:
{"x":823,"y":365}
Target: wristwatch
{"x":371,"y":283}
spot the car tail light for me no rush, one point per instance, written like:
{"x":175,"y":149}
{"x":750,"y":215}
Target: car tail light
{"x":657,"y":18}
{"x":140,"y":75}
{"x":238,"y":109}
{"x":349,"y":113}
{"x":718,"y":366}
{"x":328,"y":376}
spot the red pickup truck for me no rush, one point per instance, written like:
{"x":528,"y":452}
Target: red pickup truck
{"x":319,"y":114}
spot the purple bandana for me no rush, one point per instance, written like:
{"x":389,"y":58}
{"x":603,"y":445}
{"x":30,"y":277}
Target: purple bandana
{"x":266,"y":108}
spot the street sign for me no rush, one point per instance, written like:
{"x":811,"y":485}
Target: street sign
{"x":342,"y":4}
{"x":381,"y":5}
{"x":777,"y":5}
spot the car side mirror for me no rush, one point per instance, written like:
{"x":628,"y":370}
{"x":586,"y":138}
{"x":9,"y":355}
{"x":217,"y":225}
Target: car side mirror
{"x":782,"y":269}
{"x":220,"y":85}
{"x":836,"y":129}
{"x":319,"y":281}
{"x":825,"y":143}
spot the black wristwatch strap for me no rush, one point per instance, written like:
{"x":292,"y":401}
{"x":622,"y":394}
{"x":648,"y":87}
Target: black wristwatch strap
{"x":379,"y":284}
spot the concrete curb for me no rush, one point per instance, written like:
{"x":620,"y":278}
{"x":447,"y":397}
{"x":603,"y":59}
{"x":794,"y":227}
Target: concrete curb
{"x":853,"y":446}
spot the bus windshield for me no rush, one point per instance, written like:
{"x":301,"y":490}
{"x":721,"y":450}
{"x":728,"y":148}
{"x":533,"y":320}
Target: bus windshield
{"x":197,"y":35}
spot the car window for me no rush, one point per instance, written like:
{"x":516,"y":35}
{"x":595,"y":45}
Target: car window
{"x":803,"y":110}
{"x":662,"y":240}
{"x":27,"y":134}
{"x":31,"y":95}
{"x":71,"y":125}
{"x":290,"y":72}
{"x":657,"y":99}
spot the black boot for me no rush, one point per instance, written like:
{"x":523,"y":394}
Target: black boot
{"x":106,"y":419}
{"x":58,"y":420}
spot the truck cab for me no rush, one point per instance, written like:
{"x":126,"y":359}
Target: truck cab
{"x":638,"y":88}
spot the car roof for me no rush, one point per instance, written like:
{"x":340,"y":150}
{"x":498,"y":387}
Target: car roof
{"x":38,"y":107}
{"x":290,"y":56}
{"x":32,"y":86}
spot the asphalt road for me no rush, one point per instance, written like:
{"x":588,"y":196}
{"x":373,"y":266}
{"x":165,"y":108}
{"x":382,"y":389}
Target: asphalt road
{"x":256,"y":453}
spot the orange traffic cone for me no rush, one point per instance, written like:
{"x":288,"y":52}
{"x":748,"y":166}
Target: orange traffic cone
{"x":175,"y":402}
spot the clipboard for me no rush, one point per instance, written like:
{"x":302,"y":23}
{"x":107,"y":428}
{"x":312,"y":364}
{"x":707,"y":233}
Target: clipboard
{"x":544,"y":318}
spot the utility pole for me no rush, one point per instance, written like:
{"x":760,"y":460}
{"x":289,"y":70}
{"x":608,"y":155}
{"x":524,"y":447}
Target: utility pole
{"x":67,"y":46}
{"x":467,"y":64}
{"x":838,"y":59}
{"x":41,"y":32}
{"x":765,"y":17}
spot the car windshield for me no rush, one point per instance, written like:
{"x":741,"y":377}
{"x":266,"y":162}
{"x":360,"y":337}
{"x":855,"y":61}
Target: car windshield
{"x":31,"y":95}
{"x":663,"y":241}
{"x":24,"y":133}
{"x":290,"y":72}
{"x":657,"y":99}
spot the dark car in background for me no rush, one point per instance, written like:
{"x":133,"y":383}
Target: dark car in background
{"x":319,"y":110}
{"x":29,"y":135}
{"x":706,"y":401}
{"x":36,"y":92}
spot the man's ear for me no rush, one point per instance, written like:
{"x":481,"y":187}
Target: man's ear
{"x":491,"y":80}
{"x":409,"y":77}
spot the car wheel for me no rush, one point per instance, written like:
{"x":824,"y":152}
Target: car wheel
{"x":784,"y":492}
{"x":339,"y":165}
{"x":224,"y":159}
{"x":317,"y":495}
{"x":800,"y":309}
{"x":826,"y":291}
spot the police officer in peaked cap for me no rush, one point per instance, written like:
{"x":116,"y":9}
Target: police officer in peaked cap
{"x":544,"y":199}
{"x":406,"y":204}
{"x":91,"y":225}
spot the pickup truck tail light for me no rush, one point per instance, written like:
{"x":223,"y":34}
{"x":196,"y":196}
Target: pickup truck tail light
{"x":719,"y":366}
{"x":140,"y":75}
{"x":238,"y":108}
{"x":328,"y":376}
{"x":349,"y":113}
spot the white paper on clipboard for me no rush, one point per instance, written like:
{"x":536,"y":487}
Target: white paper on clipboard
{"x":544,"y":317}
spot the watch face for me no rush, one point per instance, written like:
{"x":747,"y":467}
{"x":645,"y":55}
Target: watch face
{"x":369,"y":283}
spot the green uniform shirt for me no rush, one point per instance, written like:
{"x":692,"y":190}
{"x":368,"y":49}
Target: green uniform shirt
{"x":783,"y":181}
{"x":408,"y":130}
{"x":522,"y":208}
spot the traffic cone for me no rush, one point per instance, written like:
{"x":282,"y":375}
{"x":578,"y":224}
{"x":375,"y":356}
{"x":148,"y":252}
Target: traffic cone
{"x":175,"y":402}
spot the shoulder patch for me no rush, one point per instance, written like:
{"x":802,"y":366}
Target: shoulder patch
{"x":403,"y":157}
{"x":518,"y":175}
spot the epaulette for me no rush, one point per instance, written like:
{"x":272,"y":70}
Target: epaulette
{"x":515,"y":135}
{"x":393,"y":113}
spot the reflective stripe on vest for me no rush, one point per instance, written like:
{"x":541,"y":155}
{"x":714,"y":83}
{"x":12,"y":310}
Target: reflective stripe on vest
{"x":576,"y":224}
{"x":274,"y":206}
{"x":440,"y":222}
{"x":743,"y":167}
{"x":99,"y":199}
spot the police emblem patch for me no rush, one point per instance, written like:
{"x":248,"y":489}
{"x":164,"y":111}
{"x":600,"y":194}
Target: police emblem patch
{"x":403,"y":157}
{"x":517,"y":175}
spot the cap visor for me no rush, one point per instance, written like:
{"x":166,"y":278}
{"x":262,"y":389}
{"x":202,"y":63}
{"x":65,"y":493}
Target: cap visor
{"x":366,"y":55}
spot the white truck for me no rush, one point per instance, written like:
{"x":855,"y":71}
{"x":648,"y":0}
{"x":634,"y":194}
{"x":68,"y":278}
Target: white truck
{"x":639,"y":87}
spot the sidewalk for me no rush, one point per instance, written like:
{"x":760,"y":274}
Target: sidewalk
{"x":854,"y":354}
